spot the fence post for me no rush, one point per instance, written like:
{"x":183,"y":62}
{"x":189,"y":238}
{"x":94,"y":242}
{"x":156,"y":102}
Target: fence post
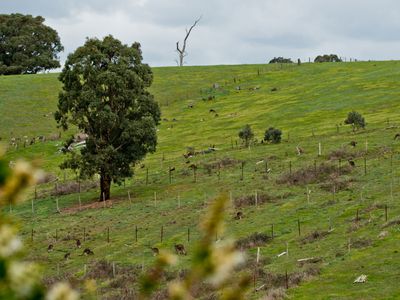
{"x":298,"y":226}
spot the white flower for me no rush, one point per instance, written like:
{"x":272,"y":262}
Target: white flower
{"x":224,"y":258}
{"x":9,"y":242}
{"x":62,"y":291}
{"x":23,"y":278}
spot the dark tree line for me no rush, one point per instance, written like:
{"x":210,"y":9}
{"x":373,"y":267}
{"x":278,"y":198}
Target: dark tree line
{"x":27,"y":45}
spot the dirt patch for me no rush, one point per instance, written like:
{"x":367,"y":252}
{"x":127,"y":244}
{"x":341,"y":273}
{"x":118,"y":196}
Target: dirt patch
{"x":314,"y":236}
{"x":314,"y":174}
{"x":93,"y":205}
{"x":254,"y":240}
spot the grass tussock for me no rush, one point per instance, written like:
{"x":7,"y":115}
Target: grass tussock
{"x":250,"y":200}
{"x":278,"y":280}
{"x":318,"y":174}
{"x":254,"y":240}
{"x":71,"y":187}
{"x":361,"y":243}
{"x":222,"y":163}
{"x":316,"y":235}
{"x":393,"y":222}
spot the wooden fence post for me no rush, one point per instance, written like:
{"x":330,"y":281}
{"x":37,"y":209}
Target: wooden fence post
{"x":298,"y":226}
{"x":365,"y":165}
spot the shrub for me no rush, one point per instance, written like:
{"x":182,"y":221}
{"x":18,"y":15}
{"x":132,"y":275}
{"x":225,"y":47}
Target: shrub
{"x":327,"y":58}
{"x":273,"y":135}
{"x":356,"y":119}
{"x":246,"y":134}
{"x":280,"y":60}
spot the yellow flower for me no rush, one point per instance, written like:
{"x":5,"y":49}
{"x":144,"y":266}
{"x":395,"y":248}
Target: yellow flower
{"x":9,"y":242}
{"x":62,"y":291}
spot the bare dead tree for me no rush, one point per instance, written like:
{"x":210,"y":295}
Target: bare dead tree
{"x":182,"y":51}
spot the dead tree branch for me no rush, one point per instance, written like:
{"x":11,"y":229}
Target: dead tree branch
{"x":182,"y":51}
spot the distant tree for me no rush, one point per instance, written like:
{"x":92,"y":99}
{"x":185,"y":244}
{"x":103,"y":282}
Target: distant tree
{"x":246,"y":134}
{"x":27,"y":46}
{"x":327,"y":58}
{"x":273,"y":135}
{"x":280,"y":60}
{"x":355,"y":119}
{"x":182,"y":50}
{"x":105,"y":96}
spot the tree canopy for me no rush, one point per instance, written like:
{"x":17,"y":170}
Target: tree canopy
{"x":27,"y":46}
{"x":105,"y":95}
{"x":280,"y":60}
{"x":355,"y":119}
{"x":246,"y":134}
{"x":327,"y":58}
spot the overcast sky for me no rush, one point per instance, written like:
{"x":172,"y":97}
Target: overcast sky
{"x":230,"y":31}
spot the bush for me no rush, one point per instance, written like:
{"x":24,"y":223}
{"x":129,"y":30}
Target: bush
{"x":356,"y":119}
{"x":273,"y":135}
{"x":327,"y":58}
{"x":280,"y":60}
{"x":246,"y":134}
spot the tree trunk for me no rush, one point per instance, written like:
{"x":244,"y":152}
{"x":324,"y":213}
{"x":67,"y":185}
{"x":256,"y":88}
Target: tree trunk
{"x":181,"y":60}
{"x":105,"y":185}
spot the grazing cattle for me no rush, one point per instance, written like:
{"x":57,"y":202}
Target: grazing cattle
{"x":212,"y":111}
{"x":50,"y":248}
{"x":67,"y":256}
{"x":87,"y":251}
{"x":274,"y":89}
{"x":78,"y":243}
{"x":180,"y":249}
{"x":397,"y":136}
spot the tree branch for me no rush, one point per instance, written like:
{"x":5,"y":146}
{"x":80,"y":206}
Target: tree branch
{"x":182,"y":51}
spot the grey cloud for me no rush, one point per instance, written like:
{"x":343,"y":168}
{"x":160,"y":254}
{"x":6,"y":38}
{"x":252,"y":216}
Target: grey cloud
{"x":234,"y":31}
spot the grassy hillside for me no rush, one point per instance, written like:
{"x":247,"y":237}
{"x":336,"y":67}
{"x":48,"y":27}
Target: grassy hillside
{"x":340,"y":221}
